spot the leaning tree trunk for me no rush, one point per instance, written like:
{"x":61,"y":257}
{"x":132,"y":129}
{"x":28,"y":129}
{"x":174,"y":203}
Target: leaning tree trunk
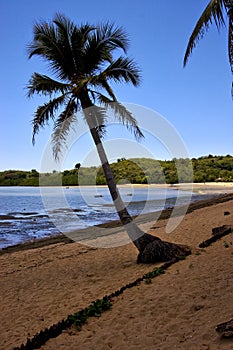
{"x":151,"y":248}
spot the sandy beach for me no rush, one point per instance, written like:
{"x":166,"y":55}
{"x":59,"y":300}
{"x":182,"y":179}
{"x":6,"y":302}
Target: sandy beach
{"x":177,"y":310}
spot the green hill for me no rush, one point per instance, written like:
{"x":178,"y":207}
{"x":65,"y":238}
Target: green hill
{"x":136,"y":171}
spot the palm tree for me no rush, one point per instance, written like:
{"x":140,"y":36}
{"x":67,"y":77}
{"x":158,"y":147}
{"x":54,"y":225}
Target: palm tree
{"x":215,"y":11}
{"x":83,"y":62}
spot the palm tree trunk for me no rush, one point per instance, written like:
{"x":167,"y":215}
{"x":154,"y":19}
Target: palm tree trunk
{"x":138,"y":237}
{"x":151,"y":248}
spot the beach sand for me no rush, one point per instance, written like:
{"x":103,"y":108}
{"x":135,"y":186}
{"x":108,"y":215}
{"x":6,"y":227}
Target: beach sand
{"x":178,"y":310}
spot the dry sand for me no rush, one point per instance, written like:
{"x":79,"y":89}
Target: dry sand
{"x":178,"y":310}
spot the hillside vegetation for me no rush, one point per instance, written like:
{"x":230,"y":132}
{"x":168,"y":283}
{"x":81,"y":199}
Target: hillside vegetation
{"x":136,"y":171}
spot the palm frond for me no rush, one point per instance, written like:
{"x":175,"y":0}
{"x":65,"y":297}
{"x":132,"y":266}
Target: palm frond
{"x":122,"y":114}
{"x":65,"y":27}
{"x":43,"y":84}
{"x":94,"y":59}
{"x":52,"y":46}
{"x":62,"y":128}
{"x":122,"y":69}
{"x":99,"y":82}
{"x":78,"y":39}
{"x":43,"y":35}
{"x":102,"y":99}
{"x":109,"y":90}
{"x":44,"y":113}
{"x":111,"y":37}
{"x":101,"y":44}
{"x":64,"y":30}
{"x":94,"y":55}
{"x":73,"y":41}
{"x":96,"y":118}
{"x":213,"y":11}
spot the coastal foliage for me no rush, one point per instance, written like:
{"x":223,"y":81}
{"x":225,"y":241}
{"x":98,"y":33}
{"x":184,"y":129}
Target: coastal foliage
{"x":136,"y":171}
{"x":19,"y":178}
{"x":95,"y":309}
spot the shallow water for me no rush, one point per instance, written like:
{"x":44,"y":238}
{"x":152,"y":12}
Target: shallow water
{"x":27,"y":213}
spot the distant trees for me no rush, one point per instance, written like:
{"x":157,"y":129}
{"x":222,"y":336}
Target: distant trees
{"x":19,"y":178}
{"x":136,"y":171}
{"x":213,"y":168}
{"x":126,"y":171}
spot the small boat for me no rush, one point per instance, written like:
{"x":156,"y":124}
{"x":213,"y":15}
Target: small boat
{"x":98,"y":196}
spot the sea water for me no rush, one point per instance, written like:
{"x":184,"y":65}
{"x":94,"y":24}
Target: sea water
{"x":28,"y":213}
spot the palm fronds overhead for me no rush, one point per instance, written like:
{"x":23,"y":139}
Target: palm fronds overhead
{"x":212,"y":12}
{"x":83,"y":62}
{"x":216,"y":11}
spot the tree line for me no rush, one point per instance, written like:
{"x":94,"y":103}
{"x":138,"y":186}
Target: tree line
{"x":136,"y":171}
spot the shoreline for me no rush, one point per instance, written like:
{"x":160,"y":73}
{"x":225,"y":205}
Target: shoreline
{"x":159,"y":185}
{"x":62,"y":238}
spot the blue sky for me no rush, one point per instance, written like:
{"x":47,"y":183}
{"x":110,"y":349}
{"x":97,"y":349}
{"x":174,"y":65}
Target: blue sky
{"x":195,"y":100}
